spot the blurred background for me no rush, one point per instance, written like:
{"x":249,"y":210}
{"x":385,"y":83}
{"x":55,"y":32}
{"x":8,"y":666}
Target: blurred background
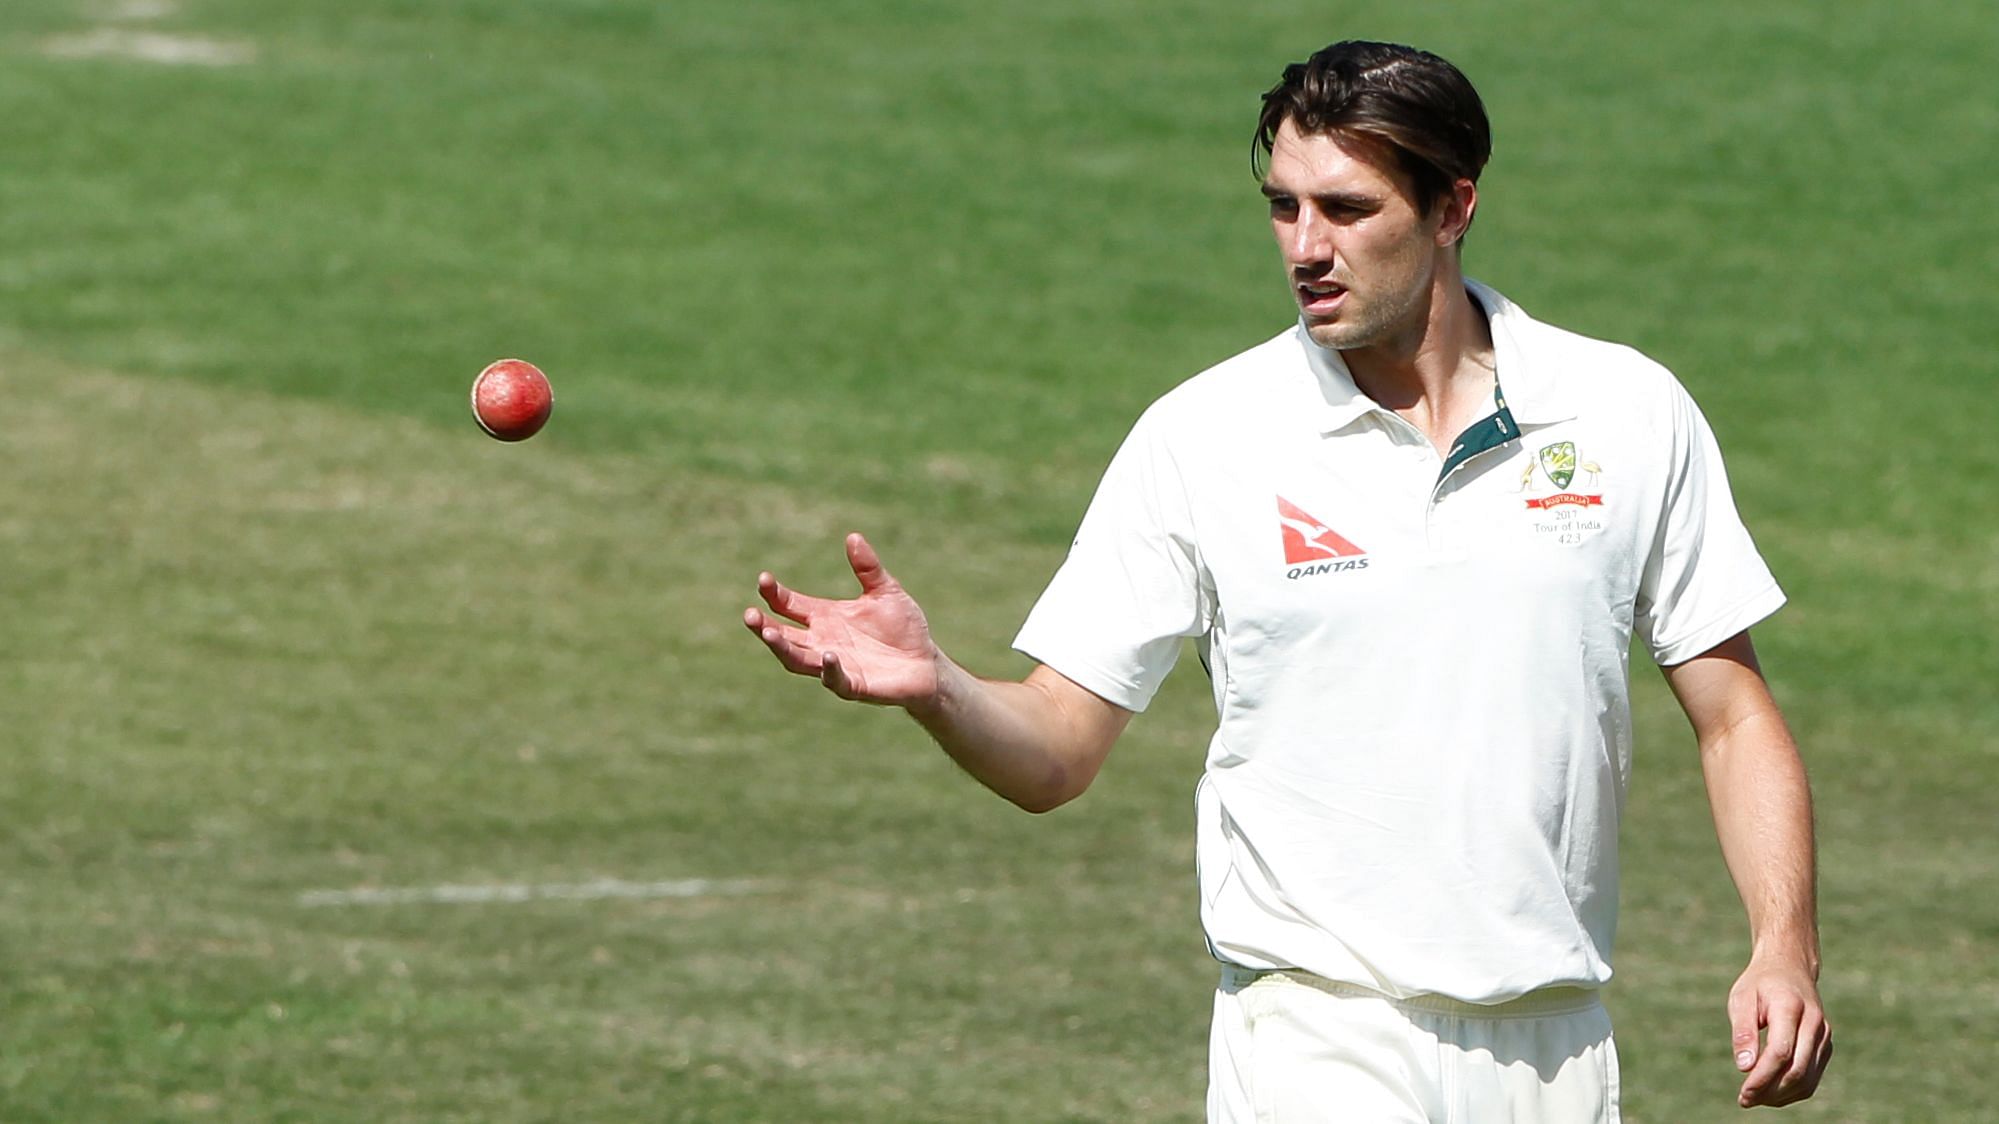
{"x":356,"y":767}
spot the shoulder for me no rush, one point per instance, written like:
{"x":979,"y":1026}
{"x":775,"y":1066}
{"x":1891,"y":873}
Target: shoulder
{"x":1585,"y":374}
{"x":1572,"y":353}
{"x":1252,"y":381}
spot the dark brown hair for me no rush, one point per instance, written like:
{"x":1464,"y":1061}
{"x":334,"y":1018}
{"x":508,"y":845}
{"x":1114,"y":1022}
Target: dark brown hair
{"x":1410,"y":103}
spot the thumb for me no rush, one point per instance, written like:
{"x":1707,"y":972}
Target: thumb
{"x":1742,"y":1018}
{"x":867,"y":564}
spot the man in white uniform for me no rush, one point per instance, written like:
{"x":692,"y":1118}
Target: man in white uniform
{"x":1413,"y":536}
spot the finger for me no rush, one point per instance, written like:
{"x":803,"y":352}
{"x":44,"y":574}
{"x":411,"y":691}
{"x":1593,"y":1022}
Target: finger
{"x":834,"y":676}
{"x":1761,"y":1086}
{"x":1779,"y":1044}
{"x":787,"y":644}
{"x":1742,"y":1019}
{"x":1797,"y":1082}
{"x":1811,"y":1027}
{"x":1808,"y":1068}
{"x":788,"y":603}
{"x":866,"y":563}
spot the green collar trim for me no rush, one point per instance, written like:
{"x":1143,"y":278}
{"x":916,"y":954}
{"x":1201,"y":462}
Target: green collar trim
{"x":1489,"y":432}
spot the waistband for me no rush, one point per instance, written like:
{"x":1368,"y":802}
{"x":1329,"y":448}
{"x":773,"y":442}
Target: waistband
{"x":1546,"y":1001}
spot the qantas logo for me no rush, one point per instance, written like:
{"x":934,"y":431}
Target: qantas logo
{"x":1311,"y":547}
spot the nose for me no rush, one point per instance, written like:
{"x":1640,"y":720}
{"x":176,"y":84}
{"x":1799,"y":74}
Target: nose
{"x":1309,"y":239}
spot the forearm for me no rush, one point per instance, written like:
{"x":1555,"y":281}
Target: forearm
{"x":1763,"y":817}
{"x":1038,"y":742}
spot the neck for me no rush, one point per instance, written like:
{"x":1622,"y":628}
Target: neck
{"x":1439,"y":373}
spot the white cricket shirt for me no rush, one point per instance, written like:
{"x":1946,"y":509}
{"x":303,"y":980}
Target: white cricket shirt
{"x":1418,"y":661}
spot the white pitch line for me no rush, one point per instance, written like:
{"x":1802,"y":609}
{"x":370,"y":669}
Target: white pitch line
{"x":524,"y":892}
{"x":151,"y":46}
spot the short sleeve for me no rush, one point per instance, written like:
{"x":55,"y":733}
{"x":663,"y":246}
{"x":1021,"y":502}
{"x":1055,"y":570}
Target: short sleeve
{"x":1113,"y":616}
{"x":1703,"y":580}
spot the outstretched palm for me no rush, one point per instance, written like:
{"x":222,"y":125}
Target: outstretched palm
{"x":874,"y":648}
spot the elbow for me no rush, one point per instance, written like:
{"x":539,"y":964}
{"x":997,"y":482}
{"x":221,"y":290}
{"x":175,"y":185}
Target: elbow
{"x":1041,"y":804}
{"x":1056,"y":789}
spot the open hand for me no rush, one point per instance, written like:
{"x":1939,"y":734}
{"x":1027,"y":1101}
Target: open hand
{"x":874,"y":648}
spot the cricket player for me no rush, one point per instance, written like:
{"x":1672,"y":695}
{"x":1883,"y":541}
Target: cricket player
{"x":1412,"y":537}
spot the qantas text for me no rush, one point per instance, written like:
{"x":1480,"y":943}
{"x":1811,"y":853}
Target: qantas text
{"x":1339,"y":567}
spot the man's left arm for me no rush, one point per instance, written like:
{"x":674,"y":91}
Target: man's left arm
{"x":1762,"y":809}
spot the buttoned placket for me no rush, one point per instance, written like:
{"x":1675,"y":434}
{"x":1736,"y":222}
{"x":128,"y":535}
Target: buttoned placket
{"x":1491,"y":434}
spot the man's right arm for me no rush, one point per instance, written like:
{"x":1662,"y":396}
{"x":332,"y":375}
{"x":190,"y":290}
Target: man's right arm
{"x":1038,"y":742}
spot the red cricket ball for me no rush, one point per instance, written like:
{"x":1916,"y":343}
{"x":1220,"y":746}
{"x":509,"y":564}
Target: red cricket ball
{"x":512,"y":398}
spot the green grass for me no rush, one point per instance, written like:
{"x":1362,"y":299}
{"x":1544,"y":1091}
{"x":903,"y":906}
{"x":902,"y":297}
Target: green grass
{"x":279,"y":619}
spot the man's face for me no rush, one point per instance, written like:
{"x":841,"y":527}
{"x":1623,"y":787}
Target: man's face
{"x":1360,"y":252}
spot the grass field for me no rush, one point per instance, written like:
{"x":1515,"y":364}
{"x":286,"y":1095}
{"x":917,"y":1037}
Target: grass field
{"x":279,"y":621}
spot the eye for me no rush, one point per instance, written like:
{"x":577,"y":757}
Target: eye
{"x":1282,"y":205}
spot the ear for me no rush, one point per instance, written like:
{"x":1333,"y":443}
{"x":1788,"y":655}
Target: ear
{"x":1458,"y":209}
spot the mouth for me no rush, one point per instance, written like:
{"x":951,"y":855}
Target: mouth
{"x":1318,"y":298}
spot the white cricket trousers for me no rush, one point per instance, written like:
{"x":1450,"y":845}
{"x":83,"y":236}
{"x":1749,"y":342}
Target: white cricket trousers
{"x":1292,"y":1048}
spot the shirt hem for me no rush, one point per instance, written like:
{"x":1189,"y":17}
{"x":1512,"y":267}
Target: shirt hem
{"x":1745,"y":613}
{"x":1103,"y":684}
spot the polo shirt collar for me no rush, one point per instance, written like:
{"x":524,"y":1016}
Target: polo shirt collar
{"x":1337,"y":403}
{"x":1529,"y":390}
{"x":1529,"y":387}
